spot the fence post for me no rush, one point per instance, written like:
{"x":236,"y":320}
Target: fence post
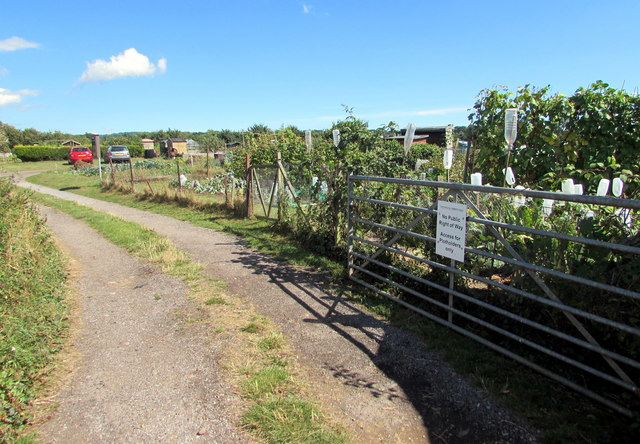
{"x":233,"y":192}
{"x":95,"y":141}
{"x":208,"y":175}
{"x":225,"y":182}
{"x":131,"y":172}
{"x":179,"y":180}
{"x":249,"y":202}
{"x":349,"y":226}
{"x":113,"y":173}
{"x":281,"y":197}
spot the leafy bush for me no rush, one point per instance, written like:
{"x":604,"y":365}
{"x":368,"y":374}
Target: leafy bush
{"x":136,"y":150}
{"x":589,"y":136}
{"x":41,"y":152}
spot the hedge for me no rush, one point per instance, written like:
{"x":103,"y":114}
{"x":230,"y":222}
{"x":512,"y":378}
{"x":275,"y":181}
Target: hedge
{"x":41,"y":152}
{"x":34,"y":153}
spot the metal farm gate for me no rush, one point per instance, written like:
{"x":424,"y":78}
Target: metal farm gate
{"x":548,"y":279}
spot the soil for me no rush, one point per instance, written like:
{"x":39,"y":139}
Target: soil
{"x":144,"y":374}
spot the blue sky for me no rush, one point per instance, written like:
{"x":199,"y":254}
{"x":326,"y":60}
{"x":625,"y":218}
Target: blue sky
{"x":193,"y":65}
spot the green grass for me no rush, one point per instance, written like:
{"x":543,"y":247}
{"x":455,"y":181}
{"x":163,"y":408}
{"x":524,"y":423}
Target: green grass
{"x":216,"y":300}
{"x":33,"y":312}
{"x":289,"y":419}
{"x":272,"y":342}
{"x":265,"y":381}
{"x":253,"y":327}
{"x":12,"y":165}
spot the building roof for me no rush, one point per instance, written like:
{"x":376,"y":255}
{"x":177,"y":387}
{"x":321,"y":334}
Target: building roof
{"x":420,"y":130}
{"x":415,"y":137}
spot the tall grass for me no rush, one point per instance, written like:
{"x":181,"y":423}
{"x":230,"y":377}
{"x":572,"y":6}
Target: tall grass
{"x":32,"y":307}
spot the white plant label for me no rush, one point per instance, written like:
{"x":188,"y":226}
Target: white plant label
{"x":451,"y":230}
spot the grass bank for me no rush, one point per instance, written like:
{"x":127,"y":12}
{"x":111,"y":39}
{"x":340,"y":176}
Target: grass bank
{"x":33,"y":314}
{"x":259,"y":361}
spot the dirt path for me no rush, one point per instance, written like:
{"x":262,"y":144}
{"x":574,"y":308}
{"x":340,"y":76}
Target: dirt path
{"x":376,"y":379}
{"x":143,"y":374}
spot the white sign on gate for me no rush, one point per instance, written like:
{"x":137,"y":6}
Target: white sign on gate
{"x":451,"y":230}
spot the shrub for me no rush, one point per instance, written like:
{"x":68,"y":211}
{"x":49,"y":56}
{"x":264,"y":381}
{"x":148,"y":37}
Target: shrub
{"x":41,"y":152}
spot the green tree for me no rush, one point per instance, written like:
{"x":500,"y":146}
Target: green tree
{"x":259,"y":128}
{"x":4,"y":139}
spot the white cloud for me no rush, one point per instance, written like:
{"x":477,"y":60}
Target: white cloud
{"x":15,"y":43}
{"x":9,"y":97}
{"x":306,"y":9}
{"x":128,"y":64}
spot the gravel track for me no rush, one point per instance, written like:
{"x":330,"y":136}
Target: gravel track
{"x":375,"y":379}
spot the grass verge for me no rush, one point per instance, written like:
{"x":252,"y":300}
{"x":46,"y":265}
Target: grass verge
{"x":33,"y":313}
{"x":253,"y":352}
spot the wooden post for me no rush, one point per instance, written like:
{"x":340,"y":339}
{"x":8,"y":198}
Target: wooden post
{"x":233,"y":191}
{"x":255,"y":177}
{"x":225,"y":182}
{"x":179,"y":181}
{"x":113,"y":173}
{"x":208,"y":164}
{"x":466,"y":174}
{"x":249,"y":194}
{"x":131,"y":172}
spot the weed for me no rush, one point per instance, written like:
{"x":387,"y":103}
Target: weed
{"x":253,"y":327}
{"x":289,"y":419}
{"x":216,"y":300}
{"x":265,"y":381}
{"x":272,"y":342}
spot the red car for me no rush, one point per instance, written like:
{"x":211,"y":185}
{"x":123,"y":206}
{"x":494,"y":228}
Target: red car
{"x":80,"y":153}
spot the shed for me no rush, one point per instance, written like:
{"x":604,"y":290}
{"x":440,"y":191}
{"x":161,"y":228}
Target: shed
{"x":70,"y":143}
{"x":173,"y":147}
{"x":147,"y":144}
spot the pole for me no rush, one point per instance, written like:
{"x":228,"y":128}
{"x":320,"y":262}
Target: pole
{"x":504,"y":179}
{"x":131,"y":172}
{"x":179,"y":180}
{"x":281,"y":196}
{"x":208,"y":162}
{"x":249,"y":203}
{"x":95,"y":141}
